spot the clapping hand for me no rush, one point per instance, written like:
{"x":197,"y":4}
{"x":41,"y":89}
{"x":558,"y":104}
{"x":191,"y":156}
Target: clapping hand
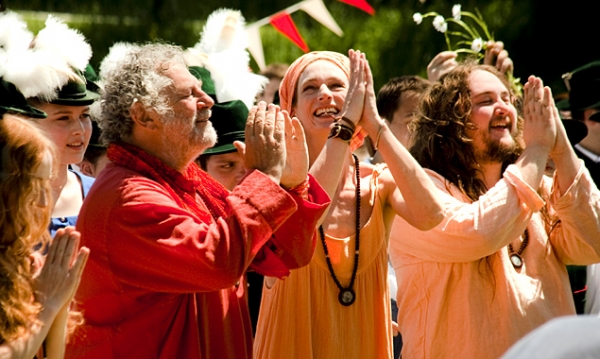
{"x":539,"y":128}
{"x":265,"y":143}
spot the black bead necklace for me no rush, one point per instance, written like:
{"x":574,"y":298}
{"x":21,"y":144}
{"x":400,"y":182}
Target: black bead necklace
{"x":515,"y":258}
{"x":347,"y":295}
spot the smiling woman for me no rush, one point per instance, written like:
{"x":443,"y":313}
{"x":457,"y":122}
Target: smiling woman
{"x":342,"y":296}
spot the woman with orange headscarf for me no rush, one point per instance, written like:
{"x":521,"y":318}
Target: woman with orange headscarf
{"x":338,"y":305}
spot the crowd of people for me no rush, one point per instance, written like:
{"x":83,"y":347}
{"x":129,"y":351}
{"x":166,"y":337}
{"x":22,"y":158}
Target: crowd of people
{"x":144,"y":216}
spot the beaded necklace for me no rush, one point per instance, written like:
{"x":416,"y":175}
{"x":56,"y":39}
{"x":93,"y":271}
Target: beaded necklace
{"x":515,"y":258}
{"x":347,"y":295}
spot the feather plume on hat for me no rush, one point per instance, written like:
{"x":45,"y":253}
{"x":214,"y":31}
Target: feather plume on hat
{"x":222,"y":48}
{"x":65,"y":42}
{"x":115,"y":54}
{"x":39,"y":66}
{"x":14,"y":35}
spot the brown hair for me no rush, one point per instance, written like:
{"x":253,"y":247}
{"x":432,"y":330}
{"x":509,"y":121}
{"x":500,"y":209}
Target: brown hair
{"x":388,"y":97}
{"x":23,"y":223}
{"x":440,"y":141}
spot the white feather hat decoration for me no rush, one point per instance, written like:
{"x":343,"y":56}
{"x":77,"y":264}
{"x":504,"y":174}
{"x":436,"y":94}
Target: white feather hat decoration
{"x":224,"y":29}
{"x":14,"y":35}
{"x":65,"y":42}
{"x":36,"y":70}
{"x":115,"y":54}
{"x":222,"y":45}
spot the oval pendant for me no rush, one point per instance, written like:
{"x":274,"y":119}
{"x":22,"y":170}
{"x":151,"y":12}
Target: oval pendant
{"x":346,"y":296}
{"x":516,"y":260}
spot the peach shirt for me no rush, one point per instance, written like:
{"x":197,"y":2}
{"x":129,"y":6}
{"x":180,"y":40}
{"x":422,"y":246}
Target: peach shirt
{"x":459,"y":295}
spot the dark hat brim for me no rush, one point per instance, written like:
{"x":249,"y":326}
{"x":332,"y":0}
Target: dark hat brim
{"x":27,"y":111}
{"x":576,"y":130}
{"x":565,"y":105}
{"x":227,"y":146}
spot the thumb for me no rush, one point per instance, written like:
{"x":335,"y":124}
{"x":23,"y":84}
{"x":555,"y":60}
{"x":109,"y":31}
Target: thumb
{"x":241,"y":148}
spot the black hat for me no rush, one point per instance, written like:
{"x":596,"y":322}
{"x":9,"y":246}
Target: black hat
{"x":583,"y":84}
{"x":11,"y":100}
{"x":95,"y":138}
{"x":77,"y":92}
{"x":576,"y":130}
{"x":228,"y":118}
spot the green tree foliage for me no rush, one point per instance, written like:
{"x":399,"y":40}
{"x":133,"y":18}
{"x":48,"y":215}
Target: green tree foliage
{"x":543,"y":39}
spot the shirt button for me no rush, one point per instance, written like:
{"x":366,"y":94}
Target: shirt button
{"x":63,"y":219}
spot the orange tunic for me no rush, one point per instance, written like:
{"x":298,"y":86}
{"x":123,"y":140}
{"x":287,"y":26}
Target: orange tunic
{"x":301,"y":317}
{"x":459,"y":295}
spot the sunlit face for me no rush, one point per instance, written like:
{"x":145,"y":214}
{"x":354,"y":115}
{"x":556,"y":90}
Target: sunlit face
{"x":320,"y":95}
{"x":494,"y":116}
{"x":409,"y":103}
{"x":69,"y":128}
{"x":189,"y":128}
{"x":228,"y":168}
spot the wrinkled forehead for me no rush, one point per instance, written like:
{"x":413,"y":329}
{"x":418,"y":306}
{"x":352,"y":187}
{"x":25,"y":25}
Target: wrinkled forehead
{"x":180,"y":77}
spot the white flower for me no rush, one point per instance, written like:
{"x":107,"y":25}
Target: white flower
{"x":456,"y":12}
{"x":477,"y":44}
{"x":418,"y":18}
{"x":440,"y":23}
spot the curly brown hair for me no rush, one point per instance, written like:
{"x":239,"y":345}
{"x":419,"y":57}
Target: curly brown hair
{"x":138,"y":77}
{"x":23,"y":222}
{"x":440,"y":140}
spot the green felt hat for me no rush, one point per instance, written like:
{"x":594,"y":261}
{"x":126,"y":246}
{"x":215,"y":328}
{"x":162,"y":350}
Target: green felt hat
{"x":228,"y":118}
{"x":77,"y":92}
{"x":12,"y":101}
{"x":583,"y":84}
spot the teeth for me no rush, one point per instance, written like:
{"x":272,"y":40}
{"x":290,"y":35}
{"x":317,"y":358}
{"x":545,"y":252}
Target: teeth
{"x":75,"y":144}
{"x":328,"y":110}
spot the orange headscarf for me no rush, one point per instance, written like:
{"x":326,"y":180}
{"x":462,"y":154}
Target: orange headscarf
{"x":287,"y":89}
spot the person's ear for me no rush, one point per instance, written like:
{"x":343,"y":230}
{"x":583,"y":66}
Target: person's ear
{"x":143,"y":118}
{"x":86,"y":168}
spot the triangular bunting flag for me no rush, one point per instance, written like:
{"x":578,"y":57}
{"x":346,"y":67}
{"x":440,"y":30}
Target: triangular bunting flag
{"x":361,"y":4}
{"x":319,"y":12}
{"x":283,"y":23}
{"x":255,"y":46}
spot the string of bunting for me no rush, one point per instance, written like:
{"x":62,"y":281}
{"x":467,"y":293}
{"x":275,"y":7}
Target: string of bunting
{"x":283,"y":23}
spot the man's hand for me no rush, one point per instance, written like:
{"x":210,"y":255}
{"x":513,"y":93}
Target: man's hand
{"x":441,"y":64}
{"x":496,"y":56}
{"x":296,"y":163}
{"x":539,"y":128}
{"x":265,"y":141}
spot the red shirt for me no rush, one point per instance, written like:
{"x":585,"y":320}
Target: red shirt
{"x":160,"y":283}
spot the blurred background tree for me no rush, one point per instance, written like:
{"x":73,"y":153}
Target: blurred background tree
{"x":542,"y":38}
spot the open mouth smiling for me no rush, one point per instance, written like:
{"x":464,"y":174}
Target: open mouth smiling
{"x":326,"y":111}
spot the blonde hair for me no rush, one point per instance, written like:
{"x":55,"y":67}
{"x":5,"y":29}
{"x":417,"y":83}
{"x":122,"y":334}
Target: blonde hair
{"x":23,"y":223}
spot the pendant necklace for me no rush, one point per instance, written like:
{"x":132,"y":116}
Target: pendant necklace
{"x":347,"y":295}
{"x":515,"y":257}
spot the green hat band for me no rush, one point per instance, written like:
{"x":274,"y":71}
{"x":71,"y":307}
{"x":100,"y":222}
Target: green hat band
{"x":76,"y":93}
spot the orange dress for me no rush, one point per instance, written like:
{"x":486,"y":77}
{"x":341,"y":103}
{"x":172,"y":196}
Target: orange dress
{"x":301,"y":317}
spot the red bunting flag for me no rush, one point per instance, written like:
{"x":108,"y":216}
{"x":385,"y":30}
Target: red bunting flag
{"x":284,"y":24}
{"x":361,"y":4}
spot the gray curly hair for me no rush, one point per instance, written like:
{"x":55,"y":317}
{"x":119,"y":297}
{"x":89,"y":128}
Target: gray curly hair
{"x":139,"y":76}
